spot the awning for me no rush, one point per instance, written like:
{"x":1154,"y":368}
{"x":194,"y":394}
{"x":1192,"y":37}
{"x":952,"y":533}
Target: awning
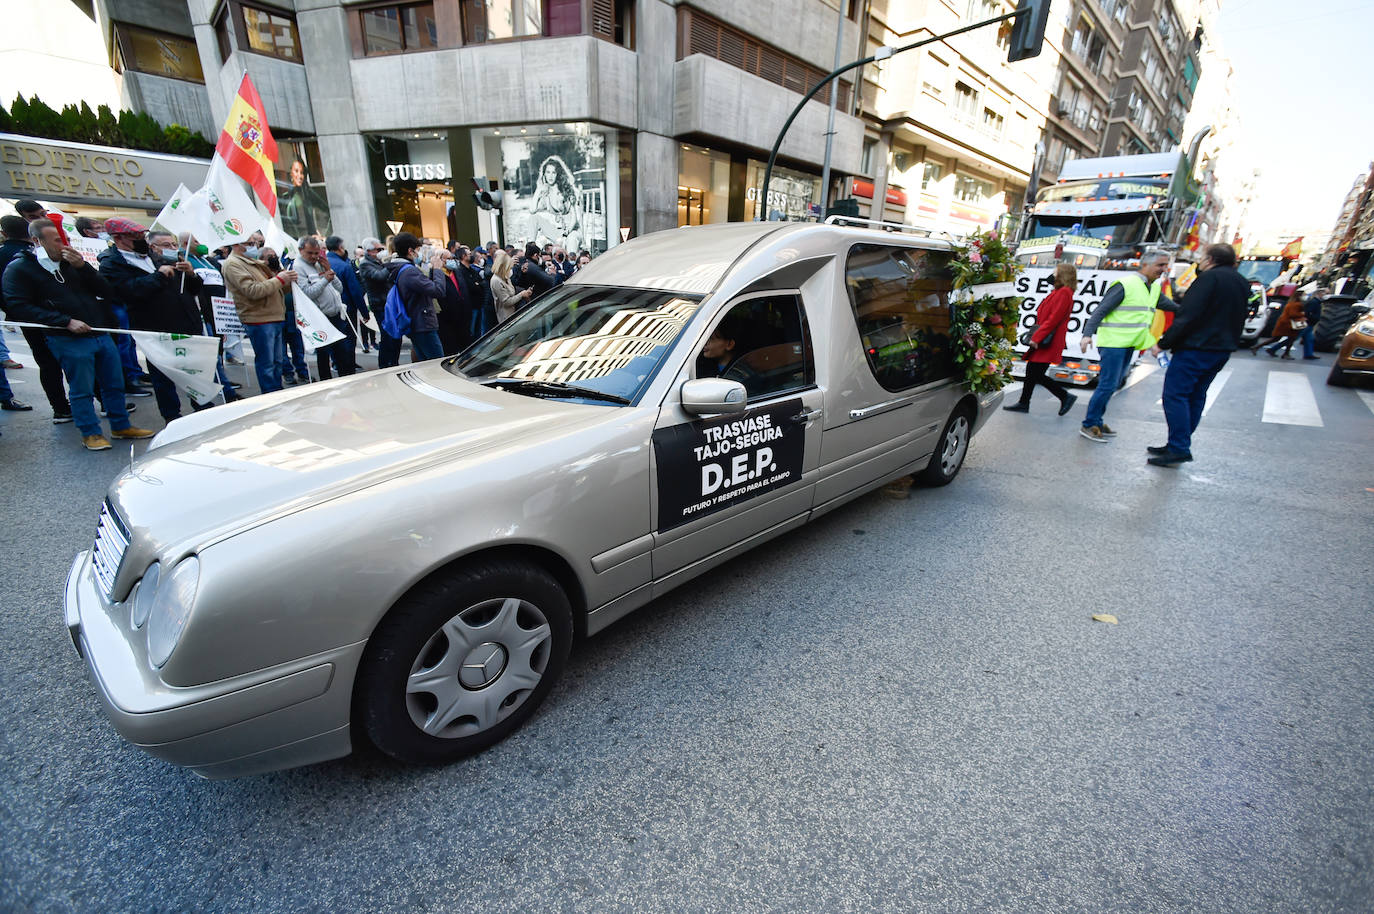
{"x":1094,"y":207}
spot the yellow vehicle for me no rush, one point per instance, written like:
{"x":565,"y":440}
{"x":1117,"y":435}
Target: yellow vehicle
{"x":1355,"y":358}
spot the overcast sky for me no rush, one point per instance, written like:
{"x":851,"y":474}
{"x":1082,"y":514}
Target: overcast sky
{"x":1304,"y":92}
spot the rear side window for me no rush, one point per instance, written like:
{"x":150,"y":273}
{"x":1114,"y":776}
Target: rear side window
{"x":900,"y":298}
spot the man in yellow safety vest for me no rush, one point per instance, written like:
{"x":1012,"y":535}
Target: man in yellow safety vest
{"x":1121,"y":326}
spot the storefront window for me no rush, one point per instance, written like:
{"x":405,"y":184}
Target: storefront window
{"x":413,"y":183}
{"x":703,"y":186}
{"x":793,"y":196}
{"x":557,"y":189}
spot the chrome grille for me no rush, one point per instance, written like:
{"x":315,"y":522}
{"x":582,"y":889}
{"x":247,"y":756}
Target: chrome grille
{"x":110,"y":542}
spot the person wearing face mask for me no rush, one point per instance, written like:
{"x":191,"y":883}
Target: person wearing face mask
{"x":16,"y":241}
{"x":159,"y":288}
{"x":417,"y":293}
{"x":454,"y":308}
{"x":258,"y":297}
{"x":319,"y":281}
{"x":66,"y":294}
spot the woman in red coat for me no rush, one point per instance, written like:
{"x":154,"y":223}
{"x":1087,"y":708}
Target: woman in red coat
{"x":1047,"y":341}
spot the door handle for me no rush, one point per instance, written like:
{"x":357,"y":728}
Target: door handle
{"x":806,"y":416}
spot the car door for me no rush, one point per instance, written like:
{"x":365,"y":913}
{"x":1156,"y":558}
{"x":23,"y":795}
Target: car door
{"x":723,"y":483}
{"x":891,"y":343}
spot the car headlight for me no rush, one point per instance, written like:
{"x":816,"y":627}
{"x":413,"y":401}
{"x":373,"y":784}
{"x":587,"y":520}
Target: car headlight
{"x":1365,"y":329}
{"x":145,"y":591}
{"x":170,"y":610}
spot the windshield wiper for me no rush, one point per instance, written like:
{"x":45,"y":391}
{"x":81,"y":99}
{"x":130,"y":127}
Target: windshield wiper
{"x":556,"y":389}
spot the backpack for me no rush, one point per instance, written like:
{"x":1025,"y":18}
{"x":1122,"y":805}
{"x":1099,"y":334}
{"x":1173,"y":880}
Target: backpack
{"x":396,"y":319}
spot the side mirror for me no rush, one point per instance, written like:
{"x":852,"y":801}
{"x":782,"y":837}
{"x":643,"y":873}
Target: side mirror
{"x":713,"y":397}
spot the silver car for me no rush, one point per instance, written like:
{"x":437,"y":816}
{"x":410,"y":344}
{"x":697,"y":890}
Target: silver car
{"x":407,"y":556}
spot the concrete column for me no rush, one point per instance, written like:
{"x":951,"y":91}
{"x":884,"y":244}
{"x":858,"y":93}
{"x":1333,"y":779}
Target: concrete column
{"x":882,"y":155}
{"x":656,"y":167}
{"x":352,"y":210}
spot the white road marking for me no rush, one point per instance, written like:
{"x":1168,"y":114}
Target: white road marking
{"x":1288,"y":400}
{"x":1368,"y":399}
{"x":1217,"y":384}
{"x":1140,"y":373}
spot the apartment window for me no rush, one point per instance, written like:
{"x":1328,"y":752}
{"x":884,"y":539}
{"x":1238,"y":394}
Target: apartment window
{"x":866,"y":162}
{"x":1088,"y":44}
{"x":931,"y":173}
{"x":993,"y":122}
{"x":699,"y":33}
{"x":158,"y":53}
{"x":971,"y":190}
{"x":271,"y":33}
{"x":1153,"y":69}
{"x":965,"y":99}
{"x":221,"y":26}
{"x":396,"y":29}
{"x":901,"y":161}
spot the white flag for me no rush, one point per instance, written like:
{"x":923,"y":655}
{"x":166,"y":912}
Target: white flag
{"x":316,"y":329}
{"x":223,"y":213}
{"x":175,"y":216}
{"x":188,"y":361}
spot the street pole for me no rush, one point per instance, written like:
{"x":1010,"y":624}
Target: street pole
{"x":882,"y":53}
{"x":830,"y":124}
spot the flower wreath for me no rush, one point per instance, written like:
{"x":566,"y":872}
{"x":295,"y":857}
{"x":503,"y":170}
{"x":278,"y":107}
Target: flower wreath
{"x":985,"y":313}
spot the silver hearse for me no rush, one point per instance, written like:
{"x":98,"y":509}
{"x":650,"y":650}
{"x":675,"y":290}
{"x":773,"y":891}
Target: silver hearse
{"x":406,"y":556}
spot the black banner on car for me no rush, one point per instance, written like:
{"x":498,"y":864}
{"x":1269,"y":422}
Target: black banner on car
{"x":709,"y":465}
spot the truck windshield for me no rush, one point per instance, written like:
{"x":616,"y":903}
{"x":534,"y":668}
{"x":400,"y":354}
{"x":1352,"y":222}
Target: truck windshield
{"x":1261,"y":271}
{"x":603,"y":339}
{"x":1117,"y":230}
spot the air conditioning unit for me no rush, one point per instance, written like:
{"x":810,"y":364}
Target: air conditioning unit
{"x":1062,"y":109}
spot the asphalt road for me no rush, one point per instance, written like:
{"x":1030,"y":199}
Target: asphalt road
{"x":904,"y":706}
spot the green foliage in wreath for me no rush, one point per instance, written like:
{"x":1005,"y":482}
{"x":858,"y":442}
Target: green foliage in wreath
{"x":984,"y":328}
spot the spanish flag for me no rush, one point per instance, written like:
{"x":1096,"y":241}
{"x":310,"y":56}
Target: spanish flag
{"x":246,"y":145}
{"x":1292,"y":249}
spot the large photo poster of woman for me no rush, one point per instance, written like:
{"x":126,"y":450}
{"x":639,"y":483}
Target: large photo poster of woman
{"x":555,"y":191}
{"x":301,"y":198}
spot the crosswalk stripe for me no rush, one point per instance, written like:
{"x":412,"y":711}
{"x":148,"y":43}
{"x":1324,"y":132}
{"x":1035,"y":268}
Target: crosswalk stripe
{"x":1288,"y":400}
{"x":1368,"y":399}
{"x":1212,"y":392}
{"x":1140,"y":373}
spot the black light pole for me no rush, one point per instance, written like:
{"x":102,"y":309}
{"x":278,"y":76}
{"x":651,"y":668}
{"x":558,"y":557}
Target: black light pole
{"x":882,"y":53}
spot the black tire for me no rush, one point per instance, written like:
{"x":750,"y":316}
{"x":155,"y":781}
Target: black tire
{"x":1337,"y":377}
{"x":950,"y":450}
{"x":509,"y":605}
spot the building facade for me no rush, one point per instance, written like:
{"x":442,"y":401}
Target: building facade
{"x":952,"y":127}
{"x":597,"y":119}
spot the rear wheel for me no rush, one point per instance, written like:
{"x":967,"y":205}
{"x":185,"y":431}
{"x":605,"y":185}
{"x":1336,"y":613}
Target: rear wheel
{"x":949,"y":451}
{"x":463,"y":661}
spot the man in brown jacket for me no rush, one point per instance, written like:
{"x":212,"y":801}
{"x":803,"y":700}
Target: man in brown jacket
{"x":258,"y":297}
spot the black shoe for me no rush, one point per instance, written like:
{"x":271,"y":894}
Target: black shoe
{"x":137,"y":391}
{"x":128,"y":408}
{"x":1311,"y":358}
{"x":61,"y":415}
{"x":1169,"y":459}
{"x":1157,"y":451}
{"x":232,"y":386}
{"x":1068,"y":403}
{"x":1017,"y":408}
{"x":14,"y":406}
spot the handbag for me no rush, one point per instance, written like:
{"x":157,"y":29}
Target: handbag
{"x":1298,"y":325}
{"x":1025,"y":339}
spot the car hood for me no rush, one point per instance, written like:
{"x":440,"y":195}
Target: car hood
{"x":222,"y":469}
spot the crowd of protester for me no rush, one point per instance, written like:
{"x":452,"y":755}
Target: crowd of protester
{"x":449,"y":295}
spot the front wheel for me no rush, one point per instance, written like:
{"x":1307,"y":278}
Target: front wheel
{"x":463,"y":661}
{"x":949,"y":451}
{"x":1337,"y":377}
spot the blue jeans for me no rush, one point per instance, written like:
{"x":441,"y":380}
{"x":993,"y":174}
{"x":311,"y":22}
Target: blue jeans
{"x":6,"y":394}
{"x":295,"y":346}
{"x":90,"y":361}
{"x":268,"y":349}
{"x":388,"y":351}
{"x":1185,"y":393}
{"x":1114,"y":362}
{"x":427,"y":345}
{"x":1308,"y":344}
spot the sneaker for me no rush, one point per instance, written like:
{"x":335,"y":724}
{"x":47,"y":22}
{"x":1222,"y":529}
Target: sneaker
{"x":11,"y":365}
{"x":1068,"y":403}
{"x":132,"y":431}
{"x":1093,"y":433}
{"x":1162,"y":449}
{"x":1106,"y":430}
{"x":289,"y":381}
{"x":1017,"y":408}
{"x":1169,"y":459}
{"x":14,"y":406}
{"x":61,"y":416}
{"x":137,"y":391}
{"x":95,"y":443}
{"x":128,"y":408}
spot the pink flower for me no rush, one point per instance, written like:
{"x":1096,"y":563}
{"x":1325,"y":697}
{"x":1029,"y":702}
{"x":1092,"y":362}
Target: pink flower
{"x":975,"y":257}
{"x":980,"y":353}
{"x":995,"y":320}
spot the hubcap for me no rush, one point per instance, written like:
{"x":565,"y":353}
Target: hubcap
{"x":955,"y":444}
{"x":478,"y":668}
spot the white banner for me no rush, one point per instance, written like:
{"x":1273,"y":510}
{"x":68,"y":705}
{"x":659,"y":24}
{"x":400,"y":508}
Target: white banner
{"x":226,"y":316}
{"x":89,"y":248}
{"x":1037,"y":282}
{"x":316,"y":329}
{"x":188,"y":361}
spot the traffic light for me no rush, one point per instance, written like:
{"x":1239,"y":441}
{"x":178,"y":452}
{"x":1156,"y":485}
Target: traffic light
{"x":485,"y":199}
{"x":1028,"y":34}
